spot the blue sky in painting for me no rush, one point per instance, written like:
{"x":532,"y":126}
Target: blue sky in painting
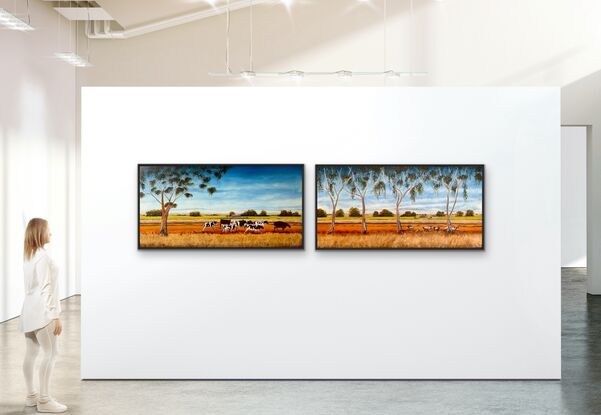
{"x":428,"y":202}
{"x":270,"y":188}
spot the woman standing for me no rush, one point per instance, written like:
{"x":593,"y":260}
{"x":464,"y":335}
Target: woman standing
{"x":40,"y":316}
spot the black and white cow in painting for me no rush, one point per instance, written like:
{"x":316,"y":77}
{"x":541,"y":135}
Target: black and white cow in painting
{"x":254,"y":226}
{"x":210,"y":224}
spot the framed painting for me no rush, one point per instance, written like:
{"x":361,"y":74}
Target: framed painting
{"x":209,"y":206}
{"x":404,"y":206}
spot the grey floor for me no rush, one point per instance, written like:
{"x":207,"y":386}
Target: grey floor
{"x":579,"y":392}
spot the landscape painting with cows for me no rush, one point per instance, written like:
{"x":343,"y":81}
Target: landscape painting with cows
{"x":220,"y":206}
{"x":399,"y":206}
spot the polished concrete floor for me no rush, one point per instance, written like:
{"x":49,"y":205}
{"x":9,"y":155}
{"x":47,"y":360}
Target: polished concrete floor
{"x":579,"y":392}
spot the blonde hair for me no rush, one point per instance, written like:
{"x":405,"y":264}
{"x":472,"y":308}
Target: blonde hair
{"x":36,"y":236}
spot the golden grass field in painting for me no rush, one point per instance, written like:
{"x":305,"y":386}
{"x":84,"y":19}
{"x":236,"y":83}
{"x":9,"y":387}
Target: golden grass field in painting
{"x":383,"y":235}
{"x":406,"y":240}
{"x":215,"y":240}
{"x":190,"y":234}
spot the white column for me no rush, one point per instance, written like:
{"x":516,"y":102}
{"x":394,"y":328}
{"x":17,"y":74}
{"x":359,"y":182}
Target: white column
{"x":593,"y":207}
{"x":581,"y":105}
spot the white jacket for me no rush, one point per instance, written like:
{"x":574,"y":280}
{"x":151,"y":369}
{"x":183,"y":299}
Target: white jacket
{"x":41,"y":304}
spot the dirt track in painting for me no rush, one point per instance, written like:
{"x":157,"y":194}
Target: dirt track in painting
{"x":384,"y":235}
{"x":186,"y":234}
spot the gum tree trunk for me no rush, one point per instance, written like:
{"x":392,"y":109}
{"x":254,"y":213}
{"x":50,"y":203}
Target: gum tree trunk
{"x":164,"y":231}
{"x":363,"y":221}
{"x":164,"y":217}
{"x":333,"y":223}
{"x":448,"y":213}
{"x":399,"y":228}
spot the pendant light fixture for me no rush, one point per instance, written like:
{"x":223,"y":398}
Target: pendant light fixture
{"x":71,"y":56}
{"x":295,"y":73}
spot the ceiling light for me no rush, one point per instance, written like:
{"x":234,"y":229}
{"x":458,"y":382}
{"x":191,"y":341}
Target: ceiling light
{"x":293,"y":74}
{"x":248,"y":74}
{"x":73,"y":59}
{"x":301,"y":74}
{"x":12,"y":22}
{"x":344,"y":74}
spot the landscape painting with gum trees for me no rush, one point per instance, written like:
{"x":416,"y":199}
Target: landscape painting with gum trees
{"x":220,"y":206}
{"x":399,"y":206}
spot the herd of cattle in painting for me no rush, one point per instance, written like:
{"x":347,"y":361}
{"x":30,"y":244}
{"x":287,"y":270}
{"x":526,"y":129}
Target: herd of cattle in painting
{"x":357,"y":206}
{"x":229,"y":225}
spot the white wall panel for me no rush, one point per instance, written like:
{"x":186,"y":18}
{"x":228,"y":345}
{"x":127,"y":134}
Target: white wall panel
{"x":573,"y":196}
{"x":309,"y":314}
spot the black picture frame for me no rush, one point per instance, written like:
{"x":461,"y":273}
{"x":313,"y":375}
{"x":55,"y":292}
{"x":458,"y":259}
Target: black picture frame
{"x":481,"y":248}
{"x":258,"y":248}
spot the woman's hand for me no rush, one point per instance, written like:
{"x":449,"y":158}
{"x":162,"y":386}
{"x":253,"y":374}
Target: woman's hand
{"x":58,"y":327}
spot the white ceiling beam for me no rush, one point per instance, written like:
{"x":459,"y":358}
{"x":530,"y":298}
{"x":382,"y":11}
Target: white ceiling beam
{"x":176,"y":21}
{"x":81,"y":13}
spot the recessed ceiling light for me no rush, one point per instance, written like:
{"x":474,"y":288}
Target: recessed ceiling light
{"x":73,"y":59}
{"x":12,"y":22}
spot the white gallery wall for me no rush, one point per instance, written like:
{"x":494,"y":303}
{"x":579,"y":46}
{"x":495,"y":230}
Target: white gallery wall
{"x":573,"y":196}
{"x":203,"y":314}
{"x":37,"y":150}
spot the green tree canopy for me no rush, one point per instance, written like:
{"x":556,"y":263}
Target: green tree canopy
{"x":167,"y":184}
{"x":354,"y":212}
{"x":386,"y":213}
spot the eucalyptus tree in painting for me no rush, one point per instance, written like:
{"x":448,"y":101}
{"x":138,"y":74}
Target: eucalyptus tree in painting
{"x":332,"y":181}
{"x":365,"y":179}
{"x":403,"y":181}
{"x":453,"y":180}
{"x":168,"y":184}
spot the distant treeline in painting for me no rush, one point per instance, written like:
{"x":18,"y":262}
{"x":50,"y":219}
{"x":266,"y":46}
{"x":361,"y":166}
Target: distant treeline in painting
{"x":399,"y":206}
{"x":220,"y":206}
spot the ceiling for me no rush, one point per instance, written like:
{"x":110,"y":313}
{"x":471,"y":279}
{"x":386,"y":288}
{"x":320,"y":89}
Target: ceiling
{"x":132,"y":13}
